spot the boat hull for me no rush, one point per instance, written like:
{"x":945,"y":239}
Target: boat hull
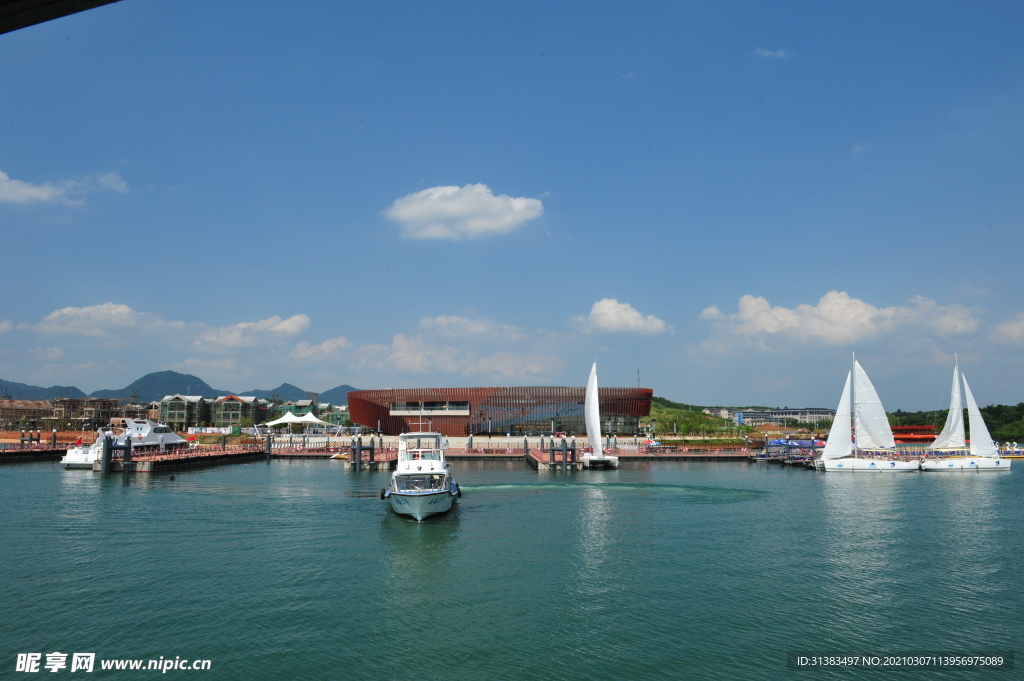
{"x":853,"y":465}
{"x":600,"y":461}
{"x":79,"y":457}
{"x":421,"y":506}
{"x":957,"y":464}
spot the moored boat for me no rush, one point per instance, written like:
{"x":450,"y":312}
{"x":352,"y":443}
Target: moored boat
{"x":860,"y":439}
{"x":422,"y":484}
{"x":955,"y":454}
{"x":146,"y":436}
{"x":598,"y":458}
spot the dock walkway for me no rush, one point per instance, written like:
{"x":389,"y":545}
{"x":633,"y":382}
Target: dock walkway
{"x":186,"y":458}
{"x":37,"y":452}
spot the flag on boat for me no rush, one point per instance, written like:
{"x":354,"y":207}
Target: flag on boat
{"x":78,"y":442}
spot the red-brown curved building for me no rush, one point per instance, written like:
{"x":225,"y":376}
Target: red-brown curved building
{"x":457,"y":412}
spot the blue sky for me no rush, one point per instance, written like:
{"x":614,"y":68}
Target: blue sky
{"x":730,"y":197}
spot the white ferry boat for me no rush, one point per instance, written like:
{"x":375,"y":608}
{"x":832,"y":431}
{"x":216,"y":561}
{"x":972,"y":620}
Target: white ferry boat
{"x":146,"y":436}
{"x":422,"y":484}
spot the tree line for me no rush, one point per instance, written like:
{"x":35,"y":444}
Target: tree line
{"x":1005,"y":422}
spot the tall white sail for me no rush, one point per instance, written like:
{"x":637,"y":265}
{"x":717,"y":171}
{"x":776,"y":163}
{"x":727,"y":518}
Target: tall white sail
{"x":873,"y":431}
{"x":840,"y":442}
{"x":952,"y":435}
{"x":981,"y":441}
{"x":592,"y":413}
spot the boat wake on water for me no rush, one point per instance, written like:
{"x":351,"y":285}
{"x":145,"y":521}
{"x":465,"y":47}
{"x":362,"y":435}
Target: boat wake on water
{"x":686,"y":493}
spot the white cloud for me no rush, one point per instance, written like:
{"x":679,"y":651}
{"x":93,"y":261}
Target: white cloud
{"x":611,"y":316}
{"x":772,"y":54}
{"x":504,"y":365}
{"x":16,"y":191}
{"x":412,"y":353}
{"x":456,"y":213}
{"x":305,"y":351}
{"x":70,"y":192}
{"x":122,"y":324}
{"x":196,"y":366}
{"x":112,"y":181}
{"x":108,"y":319}
{"x":463,"y":327}
{"x":1011,"y":331}
{"x":5,"y":326}
{"x":247,"y":334}
{"x":417,"y":355}
{"x":837,"y":319}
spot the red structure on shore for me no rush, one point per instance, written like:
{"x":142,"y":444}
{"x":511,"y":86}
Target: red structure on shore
{"x":915,"y":434}
{"x":458,"y":412}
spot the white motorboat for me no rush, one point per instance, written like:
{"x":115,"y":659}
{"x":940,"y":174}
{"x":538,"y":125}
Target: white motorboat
{"x":955,"y":455}
{"x":598,"y":458}
{"x":422,"y":484}
{"x":146,"y":436}
{"x":860,"y":439}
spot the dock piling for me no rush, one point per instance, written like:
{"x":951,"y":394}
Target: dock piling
{"x":105,"y":466}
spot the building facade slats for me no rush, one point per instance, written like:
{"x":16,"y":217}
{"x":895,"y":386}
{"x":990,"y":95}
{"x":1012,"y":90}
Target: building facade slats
{"x":515,"y":410}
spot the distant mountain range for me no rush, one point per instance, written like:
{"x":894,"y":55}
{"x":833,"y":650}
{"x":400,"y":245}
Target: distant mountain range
{"x":20,"y":391}
{"x":156,"y":385}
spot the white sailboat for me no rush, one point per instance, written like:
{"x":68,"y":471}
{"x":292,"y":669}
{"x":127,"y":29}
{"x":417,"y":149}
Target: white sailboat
{"x":860,"y":439}
{"x":982,"y":454}
{"x":592,"y":414}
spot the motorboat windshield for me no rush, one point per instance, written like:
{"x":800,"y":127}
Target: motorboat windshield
{"x":419,"y":483}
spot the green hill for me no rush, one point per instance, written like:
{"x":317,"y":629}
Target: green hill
{"x":158,"y":384}
{"x":21,"y":391}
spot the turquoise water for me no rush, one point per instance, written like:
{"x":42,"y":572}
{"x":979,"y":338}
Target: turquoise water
{"x":297,"y":570}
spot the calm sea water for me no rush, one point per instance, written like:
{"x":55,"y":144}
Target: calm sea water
{"x":297,"y":570}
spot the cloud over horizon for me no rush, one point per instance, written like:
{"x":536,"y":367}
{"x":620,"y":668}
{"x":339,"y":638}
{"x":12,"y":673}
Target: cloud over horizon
{"x":70,"y":192}
{"x":610,"y":316}
{"x":106,"y":319}
{"x":465,"y":328}
{"x":247,"y":334}
{"x":772,"y":54}
{"x":456,"y":213}
{"x":836,"y":319}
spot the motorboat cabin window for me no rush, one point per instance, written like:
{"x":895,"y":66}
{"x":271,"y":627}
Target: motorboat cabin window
{"x":419,"y":483}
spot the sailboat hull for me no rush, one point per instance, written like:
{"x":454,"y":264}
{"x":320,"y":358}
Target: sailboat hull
{"x":854,"y":465}
{"x":600,"y":461}
{"x":957,"y":464}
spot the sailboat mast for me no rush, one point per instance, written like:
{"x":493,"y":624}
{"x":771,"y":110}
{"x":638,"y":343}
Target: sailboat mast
{"x":853,"y":399}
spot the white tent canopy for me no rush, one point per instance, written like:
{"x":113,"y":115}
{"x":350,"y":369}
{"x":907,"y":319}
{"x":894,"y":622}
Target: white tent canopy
{"x":290,"y":417}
